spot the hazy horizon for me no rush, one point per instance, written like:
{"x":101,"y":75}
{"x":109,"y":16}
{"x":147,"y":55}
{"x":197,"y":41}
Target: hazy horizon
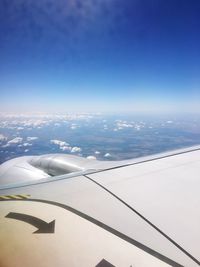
{"x":95,"y":136}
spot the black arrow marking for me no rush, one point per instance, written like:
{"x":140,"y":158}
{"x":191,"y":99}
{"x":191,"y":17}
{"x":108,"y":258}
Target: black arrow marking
{"x":43,"y":227}
{"x":107,"y":228}
{"x":104,"y":263}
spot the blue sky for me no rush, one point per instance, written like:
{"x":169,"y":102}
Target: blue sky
{"x":100,"y":56}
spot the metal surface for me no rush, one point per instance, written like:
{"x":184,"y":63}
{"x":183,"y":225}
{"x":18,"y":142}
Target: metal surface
{"x":137,"y":213}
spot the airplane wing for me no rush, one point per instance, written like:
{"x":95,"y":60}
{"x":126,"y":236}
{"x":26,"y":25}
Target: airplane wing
{"x":137,"y":213}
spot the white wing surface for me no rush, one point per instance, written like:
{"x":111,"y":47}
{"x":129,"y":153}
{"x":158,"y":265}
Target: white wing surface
{"x":139,"y":213}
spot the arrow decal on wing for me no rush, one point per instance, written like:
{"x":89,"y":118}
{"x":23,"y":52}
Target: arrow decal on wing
{"x":42,"y":226}
{"x":104,"y":263}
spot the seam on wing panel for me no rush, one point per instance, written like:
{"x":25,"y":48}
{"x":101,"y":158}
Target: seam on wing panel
{"x":89,"y":172}
{"x":107,"y":228}
{"x":146,"y":160}
{"x":145,"y":219}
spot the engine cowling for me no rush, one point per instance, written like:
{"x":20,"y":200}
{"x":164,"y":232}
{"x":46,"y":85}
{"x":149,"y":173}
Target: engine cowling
{"x":30,"y":168}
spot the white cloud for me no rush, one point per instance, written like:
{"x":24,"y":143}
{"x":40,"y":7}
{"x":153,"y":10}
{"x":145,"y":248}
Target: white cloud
{"x":138,"y":127}
{"x":3,"y":137}
{"x":26,"y":150}
{"x":31,"y":138}
{"x":74,"y":126}
{"x":97,"y":152}
{"x":121,"y":125}
{"x":65,"y":148}
{"x":76,"y":149}
{"x":107,"y":155}
{"x":59,"y":143}
{"x":91,"y":157}
{"x":27,"y":144}
{"x":6,"y":145}
{"x":16,"y":140}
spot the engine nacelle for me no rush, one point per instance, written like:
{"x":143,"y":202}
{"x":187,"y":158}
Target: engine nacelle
{"x":30,"y":168}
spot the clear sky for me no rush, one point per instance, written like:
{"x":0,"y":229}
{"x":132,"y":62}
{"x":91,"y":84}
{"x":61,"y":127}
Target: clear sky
{"x":100,"y":55}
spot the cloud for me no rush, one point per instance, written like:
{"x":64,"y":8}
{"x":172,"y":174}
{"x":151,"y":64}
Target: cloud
{"x":107,"y":155}
{"x":120,"y":125}
{"x":91,"y":157}
{"x":2,"y":138}
{"x":73,"y":127}
{"x":65,"y":148}
{"x":97,"y":152}
{"x":76,"y":149}
{"x":27,"y":144}
{"x":31,"y":138}
{"x":16,"y":140}
{"x":59,"y":143}
{"x":137,"y":127}
{"x":123,"y":124}
{"x":6,"y":145}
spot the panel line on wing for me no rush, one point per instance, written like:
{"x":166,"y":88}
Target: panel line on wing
{"x":152,"y":158}
{"x":145,"y":219}
{"x":109,"y":229}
